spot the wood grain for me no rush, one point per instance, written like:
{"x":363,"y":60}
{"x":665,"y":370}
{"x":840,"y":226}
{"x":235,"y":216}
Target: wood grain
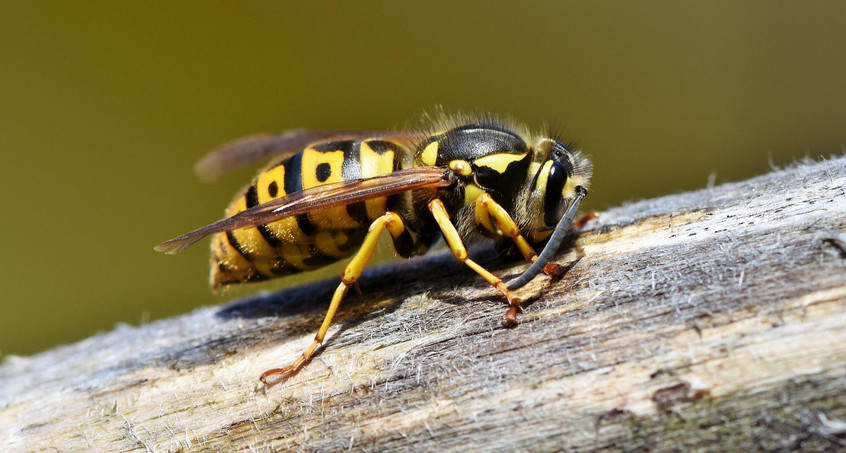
{"x":713,"y":320}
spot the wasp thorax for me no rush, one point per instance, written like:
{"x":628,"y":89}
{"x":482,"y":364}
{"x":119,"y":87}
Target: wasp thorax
{"x":488,"y":158}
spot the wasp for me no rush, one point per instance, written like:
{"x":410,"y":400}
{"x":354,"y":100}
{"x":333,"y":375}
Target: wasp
{"x":329,"y":195}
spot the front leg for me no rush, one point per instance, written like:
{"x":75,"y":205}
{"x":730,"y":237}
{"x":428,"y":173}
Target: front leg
{"x":455,"y":244}
{"x":487,"y":209}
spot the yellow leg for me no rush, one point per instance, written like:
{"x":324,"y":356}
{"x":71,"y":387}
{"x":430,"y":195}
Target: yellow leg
{"x":349,"y":278}
{"x":453,"y":240}
{"x":487,"y":209}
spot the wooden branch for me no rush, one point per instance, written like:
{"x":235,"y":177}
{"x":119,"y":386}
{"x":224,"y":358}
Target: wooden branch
{"x":712,"y":320}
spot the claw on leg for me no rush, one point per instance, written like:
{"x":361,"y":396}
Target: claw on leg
{"x":552,"y":270}
{"x":455,"y":244}
{"x":277,"y":375}
{"x":510,"y":317}
{"x":579,"y":223}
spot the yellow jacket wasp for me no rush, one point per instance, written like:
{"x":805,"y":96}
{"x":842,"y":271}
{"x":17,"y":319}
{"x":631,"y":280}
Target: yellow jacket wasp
{"x":330,"y":194}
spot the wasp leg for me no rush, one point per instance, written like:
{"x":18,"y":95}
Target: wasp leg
{"x":349,"y":278}
{"x":579,"y":223}
{"x":452,"y":238}
{"x":487,"y":209}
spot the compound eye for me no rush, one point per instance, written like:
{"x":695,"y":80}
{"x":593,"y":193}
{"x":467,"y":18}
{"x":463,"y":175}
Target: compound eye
{"x":554,"y":204}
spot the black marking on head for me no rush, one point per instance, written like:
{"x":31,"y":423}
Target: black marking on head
{"x":559,"y":172}
{"x":552,"y":199}
{"x":323,"y":171}
{"x":561,"y":153}
{"x":273,"y":189}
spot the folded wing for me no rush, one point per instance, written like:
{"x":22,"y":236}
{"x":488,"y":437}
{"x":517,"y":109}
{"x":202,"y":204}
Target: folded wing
{"x":320,"y":197}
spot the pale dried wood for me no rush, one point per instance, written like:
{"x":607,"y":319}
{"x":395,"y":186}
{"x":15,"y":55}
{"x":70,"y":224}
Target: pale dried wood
{"x":712,"y":320}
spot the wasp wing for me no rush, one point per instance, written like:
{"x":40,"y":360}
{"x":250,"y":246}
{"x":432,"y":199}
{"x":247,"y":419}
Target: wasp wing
{"x":247,"y":150}
{"x":320,"y":197}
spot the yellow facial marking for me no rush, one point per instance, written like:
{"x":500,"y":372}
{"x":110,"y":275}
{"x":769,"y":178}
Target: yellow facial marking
{"x":533,"y":169}
{"x":461,"y":167}
{"x":543,"y":177}
{"x":430,"y":154}
{"x":569,"y":190}
{"x":471,"y":193}
{"x":498,"y":162}
{"x":538,"y":193}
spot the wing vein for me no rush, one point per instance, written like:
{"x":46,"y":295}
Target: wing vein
{"x":320,"y":197}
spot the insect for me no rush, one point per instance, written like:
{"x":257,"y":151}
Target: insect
{"x":329,"y":195}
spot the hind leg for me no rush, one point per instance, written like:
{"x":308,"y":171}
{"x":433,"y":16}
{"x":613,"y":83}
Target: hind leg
{"x":351,"y":274}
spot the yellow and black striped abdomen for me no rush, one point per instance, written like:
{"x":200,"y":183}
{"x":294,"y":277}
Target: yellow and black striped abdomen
{"x":307,"y":241}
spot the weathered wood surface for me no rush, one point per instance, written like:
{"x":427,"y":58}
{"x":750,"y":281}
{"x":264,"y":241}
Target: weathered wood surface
{"x":713,"y":320}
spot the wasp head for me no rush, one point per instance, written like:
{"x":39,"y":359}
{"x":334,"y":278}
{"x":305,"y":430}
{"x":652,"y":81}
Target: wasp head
{"x":556,"y":174}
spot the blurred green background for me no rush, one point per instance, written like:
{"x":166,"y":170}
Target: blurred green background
{"x":105,"y":106}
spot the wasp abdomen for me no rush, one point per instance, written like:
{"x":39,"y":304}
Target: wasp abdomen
{"x":307,"y":241}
